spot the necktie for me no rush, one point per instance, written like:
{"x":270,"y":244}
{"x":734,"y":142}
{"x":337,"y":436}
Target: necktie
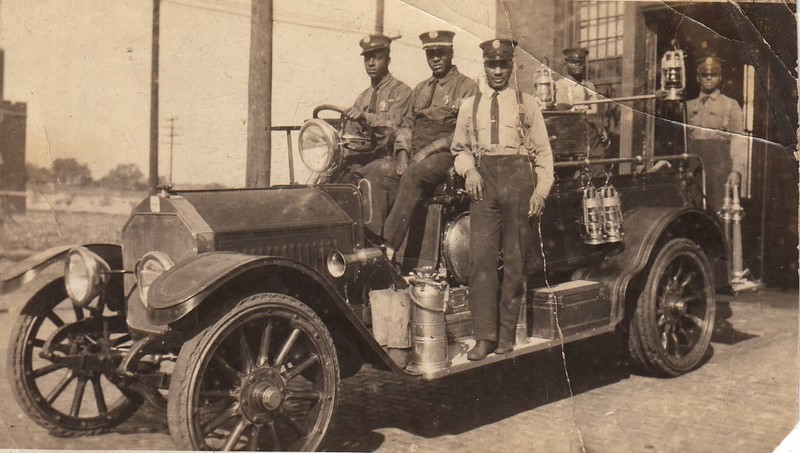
{"x":373,"y":101}
{"x":704,"y":99}
{"x":429,"y":94}
{"x":494,"y":118}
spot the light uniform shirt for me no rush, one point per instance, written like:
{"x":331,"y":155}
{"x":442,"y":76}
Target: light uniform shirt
{"x":715,"y":117}
{"x":467,"y":142}
{"x":432,"y":111}
{"x":569,"y":92}
{"x":385,"y":113}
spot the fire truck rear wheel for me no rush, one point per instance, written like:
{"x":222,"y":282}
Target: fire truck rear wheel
{"x":263,"y":377}
{"x":670,"y":331}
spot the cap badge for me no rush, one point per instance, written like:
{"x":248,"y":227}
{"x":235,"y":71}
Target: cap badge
{"x":496,"y":44}
{"x":365,"y":40}
{"x":709,"y":60}
{"x":433,"y":34}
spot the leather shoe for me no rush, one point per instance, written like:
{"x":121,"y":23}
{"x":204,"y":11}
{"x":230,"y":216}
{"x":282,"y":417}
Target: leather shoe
{"x":504,"y":347}
{"x":481,"y":350}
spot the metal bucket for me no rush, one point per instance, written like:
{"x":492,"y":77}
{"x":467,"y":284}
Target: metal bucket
{"x":428,"y":328}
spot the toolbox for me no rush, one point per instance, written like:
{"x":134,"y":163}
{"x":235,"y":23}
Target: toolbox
{"x":573,"y":307}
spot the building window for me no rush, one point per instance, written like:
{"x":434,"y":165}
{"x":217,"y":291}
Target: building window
{"x":600,"y":29}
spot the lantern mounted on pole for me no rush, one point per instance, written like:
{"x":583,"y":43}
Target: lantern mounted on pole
{"x":673,"y":73}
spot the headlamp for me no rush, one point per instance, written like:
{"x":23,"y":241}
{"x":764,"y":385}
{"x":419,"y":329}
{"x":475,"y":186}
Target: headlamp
{"x":149,"y":268}
{"x":84,"y":275}
{"x":318,"y":145}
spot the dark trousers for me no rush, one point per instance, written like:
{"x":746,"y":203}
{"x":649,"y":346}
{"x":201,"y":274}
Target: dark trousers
{"x":717,"y":165}
{"x":382,"y":176}
{"x":419,"y":180}
{"x":499,"y":223}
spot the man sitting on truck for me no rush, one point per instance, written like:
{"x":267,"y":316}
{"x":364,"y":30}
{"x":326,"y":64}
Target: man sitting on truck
{"x":426,"y":133}
{"x":381,"y":107}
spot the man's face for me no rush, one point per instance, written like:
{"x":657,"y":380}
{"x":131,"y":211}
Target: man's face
{"x":576,"y":68}
{"x":377,"y":63}
{"x":440,"y":60}
{"x":498,"y":73}
{"x":709,"y":80}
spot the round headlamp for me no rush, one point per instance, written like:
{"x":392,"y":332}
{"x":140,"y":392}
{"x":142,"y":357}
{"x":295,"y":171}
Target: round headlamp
{"x":84,"y":275}
{"x":318,"y":145}
{"x":149,"y":268}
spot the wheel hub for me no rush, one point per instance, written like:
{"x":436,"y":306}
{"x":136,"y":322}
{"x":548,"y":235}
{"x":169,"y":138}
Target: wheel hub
{"x":262,"y":394}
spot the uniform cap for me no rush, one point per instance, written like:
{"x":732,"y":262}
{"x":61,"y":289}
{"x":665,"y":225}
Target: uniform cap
{"x":374,"y":42}
{"x":575,"y":54}
{"x":711,"y":65}
{"x":498,"y":49}
{"x":437,"y":38}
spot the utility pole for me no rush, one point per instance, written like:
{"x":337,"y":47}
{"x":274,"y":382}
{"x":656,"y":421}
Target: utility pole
{"x":259,"y":96}
{"x":379,"y":8}
{"x":153,"y":179}
{"x":172,"y":136}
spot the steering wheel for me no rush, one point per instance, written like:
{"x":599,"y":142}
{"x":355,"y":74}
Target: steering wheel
{"x":364,"y":141}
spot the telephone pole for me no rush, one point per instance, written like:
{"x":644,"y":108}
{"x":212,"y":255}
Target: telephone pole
{"x":172,"y":134}
{"x":153,"y":177}
{"x":259,"y":96}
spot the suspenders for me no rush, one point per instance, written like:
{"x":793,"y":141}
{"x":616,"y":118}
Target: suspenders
{"x":521,"y":121}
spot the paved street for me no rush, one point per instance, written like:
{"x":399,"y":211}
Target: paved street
{"x":743,"y":400}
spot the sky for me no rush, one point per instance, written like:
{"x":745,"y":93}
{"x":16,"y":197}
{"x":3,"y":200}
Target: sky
{"x":83,"y":68}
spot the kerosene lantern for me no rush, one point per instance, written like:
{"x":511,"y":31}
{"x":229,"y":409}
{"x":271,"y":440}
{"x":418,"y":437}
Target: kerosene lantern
{"x":612,"y":213}
{"x":544,"y":86}
{"x":592,"y":220}
{"x":673,"y":74}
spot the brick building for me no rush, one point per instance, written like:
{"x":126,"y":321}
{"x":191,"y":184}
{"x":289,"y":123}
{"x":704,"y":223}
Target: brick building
{"x":626,"y":41}
{"x":13,"y":118}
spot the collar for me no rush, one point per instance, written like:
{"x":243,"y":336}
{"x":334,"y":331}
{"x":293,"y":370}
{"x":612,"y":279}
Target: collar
{"x":486,"y":90}
{"x":451,"y":74}
{"x":713,"y":95}
{"x":384,"y":81}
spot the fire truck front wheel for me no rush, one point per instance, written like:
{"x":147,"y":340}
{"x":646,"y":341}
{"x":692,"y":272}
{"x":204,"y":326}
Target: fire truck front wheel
{"x":670,"y":331}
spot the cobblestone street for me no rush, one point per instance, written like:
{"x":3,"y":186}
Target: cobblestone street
{"x":743,"y":399}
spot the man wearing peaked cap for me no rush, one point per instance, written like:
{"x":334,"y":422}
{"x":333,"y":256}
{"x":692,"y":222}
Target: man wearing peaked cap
{"x":503,"y":150}
{"x":427,"y":132}
{"x":573,"y":86}
{"x":380,"y":107}
{"x":717,"y":132}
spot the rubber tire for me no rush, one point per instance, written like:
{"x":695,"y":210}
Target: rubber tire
{"x":193,"y":354}
{"x":42,"y":302}
{"x":644,"y":345}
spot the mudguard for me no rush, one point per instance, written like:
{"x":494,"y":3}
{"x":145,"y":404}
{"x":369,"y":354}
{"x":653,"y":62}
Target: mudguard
{"x":26,"y":270}
{"x":646,"y":229}
{"x":177,"y":292}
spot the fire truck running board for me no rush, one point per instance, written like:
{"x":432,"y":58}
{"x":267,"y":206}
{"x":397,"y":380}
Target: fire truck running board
{"x":457,"y":351}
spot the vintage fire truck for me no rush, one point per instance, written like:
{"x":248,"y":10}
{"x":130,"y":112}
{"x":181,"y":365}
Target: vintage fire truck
{"x":239,"y":311}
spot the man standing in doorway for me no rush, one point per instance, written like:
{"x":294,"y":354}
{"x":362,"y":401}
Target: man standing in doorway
{"x":503,"y":150}
{"x":380,"y":107}
{"x":573,"y":86}
{"x":423,"y":142}
{"x":717,"y":130}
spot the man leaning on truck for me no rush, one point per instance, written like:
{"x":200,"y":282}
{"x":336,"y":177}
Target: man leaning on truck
{"x":503,"y":150}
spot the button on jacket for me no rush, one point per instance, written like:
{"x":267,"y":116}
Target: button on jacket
{"x":432,"y":112}
{"x":384,"y":111}
{"x":715,"y":116}
{"x":536,"y":142}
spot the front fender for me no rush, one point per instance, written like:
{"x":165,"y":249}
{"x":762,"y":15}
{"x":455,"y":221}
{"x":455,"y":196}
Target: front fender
{"x":646,"y":229}
{"x":26,"y":270}
{"x":179,"y":290}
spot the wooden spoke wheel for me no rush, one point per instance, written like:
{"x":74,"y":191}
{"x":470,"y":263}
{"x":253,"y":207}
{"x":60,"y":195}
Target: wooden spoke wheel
{"x":264,"y":377}
{"x":671,"y":328}
{"x":63,"y":361}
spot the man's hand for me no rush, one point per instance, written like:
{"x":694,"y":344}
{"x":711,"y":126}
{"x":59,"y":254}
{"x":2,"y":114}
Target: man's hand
{"x":402,"y":162}
{"x":355,"y":114}
{"x":474,"y":185}
{"x":421,"y":155}
{"x":535,"y":205}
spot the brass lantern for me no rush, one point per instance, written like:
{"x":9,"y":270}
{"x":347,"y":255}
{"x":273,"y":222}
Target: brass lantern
{"x":592,"y":220}
{"x":612,"y":213}
{"x":544,"y":87}
{"x":673,"y":74}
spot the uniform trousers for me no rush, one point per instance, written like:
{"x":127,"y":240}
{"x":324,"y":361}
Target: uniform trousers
{"x":384,"y":180}
{"x":717,"y":165}
{"x":418,"y":180}
{"x":499,"y":223}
